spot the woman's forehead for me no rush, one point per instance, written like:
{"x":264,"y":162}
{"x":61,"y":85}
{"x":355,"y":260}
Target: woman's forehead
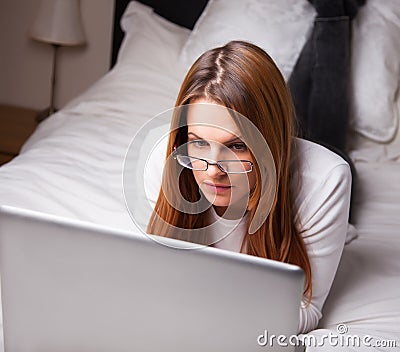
{"x":211,"y":121}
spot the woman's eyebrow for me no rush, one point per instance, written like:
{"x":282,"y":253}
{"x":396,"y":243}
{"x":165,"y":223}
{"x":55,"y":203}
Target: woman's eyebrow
{"x":195,"y":135}
{"x":235,"y":139}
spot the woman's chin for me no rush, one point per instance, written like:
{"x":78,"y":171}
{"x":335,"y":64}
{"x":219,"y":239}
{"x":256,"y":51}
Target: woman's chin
{"x":217,"y":202}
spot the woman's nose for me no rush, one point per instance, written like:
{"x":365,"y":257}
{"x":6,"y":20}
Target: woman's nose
{"x":214,"y":171}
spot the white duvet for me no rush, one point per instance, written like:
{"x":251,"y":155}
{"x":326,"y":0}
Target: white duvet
{"x":72,"y":166}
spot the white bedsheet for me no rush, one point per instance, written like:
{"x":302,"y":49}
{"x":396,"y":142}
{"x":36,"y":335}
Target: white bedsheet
{"x":72,"y":167}
{"x":366,"y":292}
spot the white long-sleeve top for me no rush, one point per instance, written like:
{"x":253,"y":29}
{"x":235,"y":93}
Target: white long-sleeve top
{"x":322,"y":202}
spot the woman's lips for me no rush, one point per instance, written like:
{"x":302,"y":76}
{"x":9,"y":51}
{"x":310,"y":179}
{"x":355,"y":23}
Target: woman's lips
{"x":217,"y":187}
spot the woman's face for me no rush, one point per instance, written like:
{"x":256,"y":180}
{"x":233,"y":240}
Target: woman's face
{"x":207,"y":140}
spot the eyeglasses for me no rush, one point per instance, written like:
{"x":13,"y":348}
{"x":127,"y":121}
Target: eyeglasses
{"x":227,"y":166}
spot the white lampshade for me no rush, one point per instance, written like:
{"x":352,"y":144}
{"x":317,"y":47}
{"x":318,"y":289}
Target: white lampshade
{"x":59,"y":22}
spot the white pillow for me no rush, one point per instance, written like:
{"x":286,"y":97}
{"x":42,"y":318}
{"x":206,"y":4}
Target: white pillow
{"x":375,"y":67}
{"x":149,"y":38}
{"x":146,"y":78}
{"x":279,"y":27}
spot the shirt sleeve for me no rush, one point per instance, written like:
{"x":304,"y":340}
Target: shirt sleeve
{"x":322,"y":218}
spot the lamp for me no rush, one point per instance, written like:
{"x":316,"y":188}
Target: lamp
{"x":58,"y":23}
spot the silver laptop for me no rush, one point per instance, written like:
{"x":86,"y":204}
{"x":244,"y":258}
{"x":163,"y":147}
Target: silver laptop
{"x":73,"y":286}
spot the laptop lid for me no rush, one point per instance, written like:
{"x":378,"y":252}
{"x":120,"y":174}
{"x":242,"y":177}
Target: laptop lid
{"x":74,"y":286}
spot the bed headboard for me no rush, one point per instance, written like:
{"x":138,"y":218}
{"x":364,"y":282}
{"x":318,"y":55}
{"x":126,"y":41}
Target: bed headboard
{"x":182,"y":12}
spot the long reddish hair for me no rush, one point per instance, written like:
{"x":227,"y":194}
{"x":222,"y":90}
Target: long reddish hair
{"x":244,"y":78}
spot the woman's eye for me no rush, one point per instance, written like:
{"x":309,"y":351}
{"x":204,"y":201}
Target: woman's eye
{"x":199,"y":143}
{"x":238,"y":147}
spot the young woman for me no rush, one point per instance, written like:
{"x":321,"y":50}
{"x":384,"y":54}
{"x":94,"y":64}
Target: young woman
{"x":234,"y":167}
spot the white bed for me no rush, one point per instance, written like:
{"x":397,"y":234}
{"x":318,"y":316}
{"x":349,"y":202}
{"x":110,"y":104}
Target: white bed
{"x":72,"y":166}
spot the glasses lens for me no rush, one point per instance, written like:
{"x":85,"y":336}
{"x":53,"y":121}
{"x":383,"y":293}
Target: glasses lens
{"x":191,"y":163}
{"x":236,"y":166}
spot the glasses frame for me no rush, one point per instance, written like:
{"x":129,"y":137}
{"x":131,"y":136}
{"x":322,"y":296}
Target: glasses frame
{"x":176,"y":156}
